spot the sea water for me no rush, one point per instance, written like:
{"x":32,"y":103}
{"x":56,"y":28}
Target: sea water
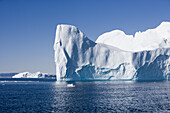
{"x":87,"y":97}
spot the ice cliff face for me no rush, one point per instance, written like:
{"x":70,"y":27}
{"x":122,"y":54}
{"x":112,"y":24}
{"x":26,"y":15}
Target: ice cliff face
{"x":78,"y":58}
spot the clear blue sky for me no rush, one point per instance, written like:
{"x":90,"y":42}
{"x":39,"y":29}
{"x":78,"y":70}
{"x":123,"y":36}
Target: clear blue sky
{"x":27,"y":27}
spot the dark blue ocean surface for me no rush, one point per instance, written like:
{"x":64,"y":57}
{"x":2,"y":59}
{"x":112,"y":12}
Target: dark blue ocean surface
{"x":87,"y":97}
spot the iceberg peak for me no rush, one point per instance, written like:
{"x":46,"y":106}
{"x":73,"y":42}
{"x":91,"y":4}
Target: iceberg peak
{"x":164,"y":24}
{"x":148,"y":40}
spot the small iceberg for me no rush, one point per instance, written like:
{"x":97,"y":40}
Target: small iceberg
{"x":70,"y":85}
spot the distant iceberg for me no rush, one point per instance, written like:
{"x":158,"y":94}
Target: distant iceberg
{"x":34,"y":75}
{"x":114,"y":55}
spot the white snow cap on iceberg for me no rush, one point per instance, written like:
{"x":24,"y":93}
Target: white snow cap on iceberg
{"x":148,"y":40}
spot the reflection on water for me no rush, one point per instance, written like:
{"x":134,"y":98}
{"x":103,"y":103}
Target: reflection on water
{"x":101,"y":96}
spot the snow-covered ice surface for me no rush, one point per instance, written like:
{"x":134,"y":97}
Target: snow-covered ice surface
{"x":141,"y":41}
{"x":111,"y":58}
{"x":30,"y":75}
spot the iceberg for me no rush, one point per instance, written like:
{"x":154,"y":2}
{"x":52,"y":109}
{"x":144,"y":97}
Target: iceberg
{"x":33,"y":75}
{"x":114,"y":55}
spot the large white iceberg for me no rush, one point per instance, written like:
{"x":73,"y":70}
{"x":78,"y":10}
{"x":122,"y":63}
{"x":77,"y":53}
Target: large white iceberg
{"x":114,"y":56}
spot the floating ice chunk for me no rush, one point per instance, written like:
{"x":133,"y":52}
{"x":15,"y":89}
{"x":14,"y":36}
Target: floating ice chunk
{"x":70,"y":85}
